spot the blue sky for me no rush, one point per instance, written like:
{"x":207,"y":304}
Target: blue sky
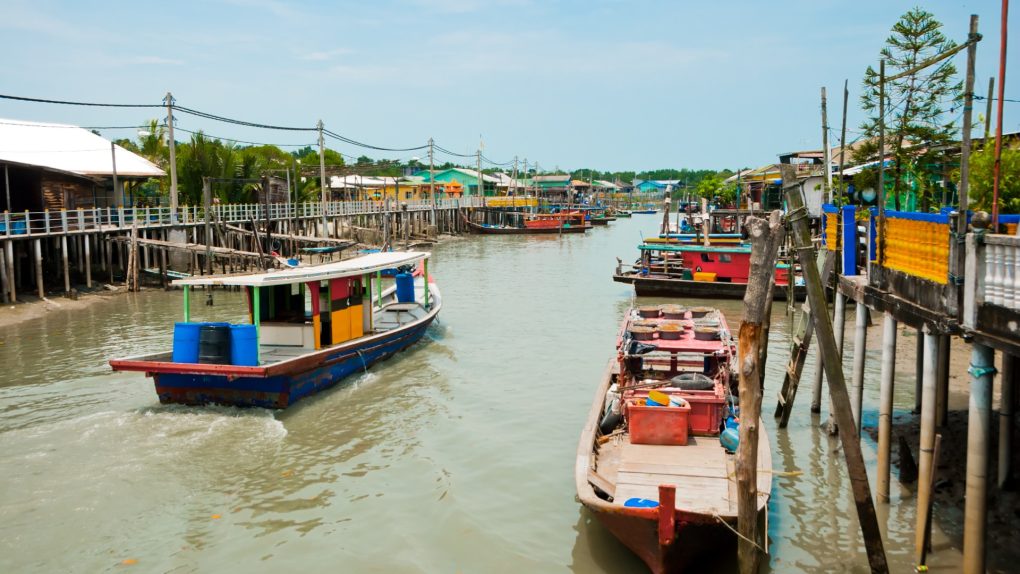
{"x":608,"y":84}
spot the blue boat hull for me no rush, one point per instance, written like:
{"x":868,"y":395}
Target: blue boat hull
{"x":280,"y":391}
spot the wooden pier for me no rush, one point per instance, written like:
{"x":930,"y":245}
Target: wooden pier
{"x":41,"y":250}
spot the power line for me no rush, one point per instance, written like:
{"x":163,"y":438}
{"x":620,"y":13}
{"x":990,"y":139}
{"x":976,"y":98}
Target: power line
{"x":242,"y":141}
{"x":977,"y":97}
{"x":64,"y":126}
{"x":348,"y":140}
{"x":72,"y":103}
{"x":215,"y":117}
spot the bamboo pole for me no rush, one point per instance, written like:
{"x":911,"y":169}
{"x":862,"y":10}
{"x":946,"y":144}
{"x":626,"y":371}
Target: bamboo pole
{"x":856,"y":469}
{"x":975,"y":513}
{"x":88,"y":260}
{"x":886,"y":406}
{"x":765,"y":236}
{"x":39,"y":269}
{"x":10,"y":270}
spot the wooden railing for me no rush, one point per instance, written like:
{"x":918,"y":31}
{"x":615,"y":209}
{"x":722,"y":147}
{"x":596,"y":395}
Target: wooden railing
{"x":29,"y":223}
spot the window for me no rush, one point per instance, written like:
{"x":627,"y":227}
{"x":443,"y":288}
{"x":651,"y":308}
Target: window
{"x":724,"y":258}
{"x":407,"y":195}
{"x":705,"y":258}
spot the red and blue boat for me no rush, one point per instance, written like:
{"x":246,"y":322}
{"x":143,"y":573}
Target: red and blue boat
{"x":309,"y":327}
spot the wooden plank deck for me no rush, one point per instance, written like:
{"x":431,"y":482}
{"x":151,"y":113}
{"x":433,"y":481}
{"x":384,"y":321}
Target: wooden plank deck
{"x":704,"y":475}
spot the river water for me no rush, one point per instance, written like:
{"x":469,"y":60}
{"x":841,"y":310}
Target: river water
{"x":456,"y":456}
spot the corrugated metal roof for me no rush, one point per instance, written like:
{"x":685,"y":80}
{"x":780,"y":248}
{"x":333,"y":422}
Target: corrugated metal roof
{"x":68,"y":148}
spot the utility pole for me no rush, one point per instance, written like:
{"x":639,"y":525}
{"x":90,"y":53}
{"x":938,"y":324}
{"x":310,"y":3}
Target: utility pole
{"x":826,"y":154}
{"x":842,"y":139}
{"x":169,"y":101}
{"x":322,"y":177}
{"x":432,"y":180}
{"x":513,"y":180}
{"x":996,"y":174}
{"x":988,"y":112}
{"x":118,"y":199}
{"x":968,"y":106}
{"x":481,"y":182}
{"x":880,"y":192}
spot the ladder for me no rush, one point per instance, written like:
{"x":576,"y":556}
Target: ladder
{"x":799,"y":346}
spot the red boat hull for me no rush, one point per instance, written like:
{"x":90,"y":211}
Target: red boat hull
{"x":694,"y":536}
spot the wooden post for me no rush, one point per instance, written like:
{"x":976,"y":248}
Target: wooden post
{"x":766,"y":237}
{"x":4,"y":282}
{"x":66,"y":262}
{"x":918,"y":371}
{"x":88,"y":260}
{"x":1007,"y":403}
{"x":924,"y":462}
{"x":10,"y":269}
{"x":886,"y":405}
{"x":856,"y":469}
{"x":942,"y":382}
{"x":39,"y":269}
{"x":860,"y":353}
{"x":839,"y":327}
{"x":975,"y":513}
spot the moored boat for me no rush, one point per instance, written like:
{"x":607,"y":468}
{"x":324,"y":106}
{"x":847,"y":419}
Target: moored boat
{"x":310,"y":327}
{"x":485,"y":229}
{"x":688,"y":270}
{"x":654,"y":463}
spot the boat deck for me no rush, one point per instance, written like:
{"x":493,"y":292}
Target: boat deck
{"x":702,"y":471}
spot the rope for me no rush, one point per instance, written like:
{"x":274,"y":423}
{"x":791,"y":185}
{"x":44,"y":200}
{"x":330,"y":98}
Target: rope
{"x":739,"y":535}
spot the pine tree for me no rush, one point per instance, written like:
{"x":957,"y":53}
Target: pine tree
{"x":920,"y":106}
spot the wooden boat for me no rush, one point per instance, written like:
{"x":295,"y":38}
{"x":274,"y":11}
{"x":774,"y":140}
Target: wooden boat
{"x":659,"y":477}
{"x":644,"y":211}
{"x":687,"y":270}
{"x":622,"y":213}
{"x":310,"y":327}
{"x":508,"y":230}
{"x":556,"y":220}
{"x":601,"y":219}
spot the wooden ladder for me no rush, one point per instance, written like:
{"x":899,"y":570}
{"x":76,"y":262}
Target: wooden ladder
{"x":799,"y":346}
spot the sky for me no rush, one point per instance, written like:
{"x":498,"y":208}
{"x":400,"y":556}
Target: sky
{"x":569,"y":84}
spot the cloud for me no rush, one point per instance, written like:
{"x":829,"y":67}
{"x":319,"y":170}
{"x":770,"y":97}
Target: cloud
{"x":322,"y":56}
{"x":156,"y":61}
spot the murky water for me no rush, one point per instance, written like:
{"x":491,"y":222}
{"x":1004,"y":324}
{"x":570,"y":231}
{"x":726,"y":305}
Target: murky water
{"x":456,"y":456}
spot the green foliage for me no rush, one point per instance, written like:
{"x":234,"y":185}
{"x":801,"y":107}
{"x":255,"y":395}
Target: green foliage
{"x":981,"y":178}
{"x":916,"y":104}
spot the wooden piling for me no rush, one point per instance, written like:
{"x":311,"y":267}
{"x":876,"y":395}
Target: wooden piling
{"x":924,"y":462}
{"x":885,"y":407}
{"x":856,"y":469}
{"x":918,"y":371}
{"x":88,"y":260}
{"x":9,"y":247}
{"x":4,"y":282}
{"x":1007,"y":401}
{"x":66,"y":262}
{"x":860,"y":354}
{"x":942,"y":382}
{"x":975,"y":513}
{"x":766,"y":237}
{"x":39,"y":269}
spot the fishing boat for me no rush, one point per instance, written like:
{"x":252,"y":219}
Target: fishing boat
{"x":621,"y":213}
{"x":489,"y":229}
{"x":556,"y":220}
{"x":309,"y":327}
{"x":644,"y":211}
{"x":688,"y":270}
{"x":655,"y":462}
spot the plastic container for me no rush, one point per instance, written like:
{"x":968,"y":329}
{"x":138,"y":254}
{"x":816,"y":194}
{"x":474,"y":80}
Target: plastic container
{"x":706,"y":412}
{"x":214,"y":344}
{"x":704,"y":276}
{"x":244,"y":350}
{"x":641,"y":503}
{"x":405,"y":288}
{"x":657,"y":425}
{"x":185,"y":349}
{"x":730,"y":438}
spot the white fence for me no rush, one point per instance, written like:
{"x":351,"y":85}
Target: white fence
{"x":1002,"y":263}
{"x":104,"y":218}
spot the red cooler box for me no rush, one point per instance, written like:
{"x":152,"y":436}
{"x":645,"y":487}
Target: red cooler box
{"x":657,"y":425}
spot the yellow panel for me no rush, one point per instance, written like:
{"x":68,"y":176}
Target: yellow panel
{"x":341,"y":326}
{"x":317,"y":328}
{"x":356,"y":315}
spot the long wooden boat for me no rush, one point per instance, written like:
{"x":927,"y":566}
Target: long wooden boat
{"x":508,"y":230}
{"x":686,"y":270}
{"x":660,"y":478}
{"x":309,"y":328}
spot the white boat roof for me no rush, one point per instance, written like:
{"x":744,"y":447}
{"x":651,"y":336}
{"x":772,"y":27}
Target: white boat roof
{"x":369,"y":263}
